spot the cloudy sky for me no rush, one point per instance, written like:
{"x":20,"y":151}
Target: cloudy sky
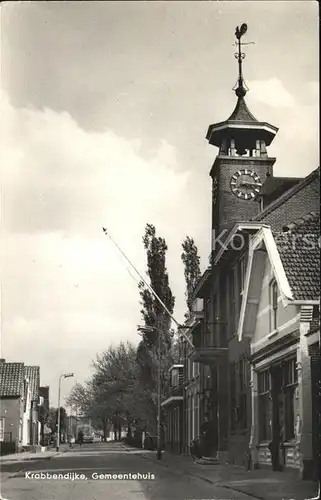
{"x":104,"y":112}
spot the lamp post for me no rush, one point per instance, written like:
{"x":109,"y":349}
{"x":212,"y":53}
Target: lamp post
{"x":64,"y":375}
{"x":148,"y":329}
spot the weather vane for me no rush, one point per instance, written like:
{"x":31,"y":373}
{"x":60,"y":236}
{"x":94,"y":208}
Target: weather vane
{"x":240,"y":88}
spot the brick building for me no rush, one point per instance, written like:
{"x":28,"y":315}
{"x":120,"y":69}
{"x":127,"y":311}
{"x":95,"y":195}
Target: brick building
{"x":246,"y":199}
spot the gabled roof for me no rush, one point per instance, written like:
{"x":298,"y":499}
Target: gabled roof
{"x":11,"y":379}
{"x":32,"y":373}
{"x":299,"y":250}
{"x":295,"y":258}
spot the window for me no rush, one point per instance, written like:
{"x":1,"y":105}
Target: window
{"x":174,"y":378}
{"x":290,"y":380}
{"x":265,"y":405}
{"x":243,"y":380}
{"x":232,"y":303}
{"x":274,"y":305}
{"x":1,"y":429}
{"x":232,"y":397}
{"x":195,"y":370}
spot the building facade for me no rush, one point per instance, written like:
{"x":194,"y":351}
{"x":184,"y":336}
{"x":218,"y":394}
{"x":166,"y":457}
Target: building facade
{"x":280,"y":316}
{"x":247,"y":199}
{"x":19,"y":395}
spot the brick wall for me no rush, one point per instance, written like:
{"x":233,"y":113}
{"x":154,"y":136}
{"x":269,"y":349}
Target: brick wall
{"x":231,"y":208}
{"x":11,"y":410}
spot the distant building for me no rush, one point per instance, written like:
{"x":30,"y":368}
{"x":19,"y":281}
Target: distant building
{"x":19,"y":395}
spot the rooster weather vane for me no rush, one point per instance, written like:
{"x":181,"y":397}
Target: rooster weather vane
{"x":240,"y":88}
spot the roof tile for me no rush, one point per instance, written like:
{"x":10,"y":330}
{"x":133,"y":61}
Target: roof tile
{"x":299,"y":249}
{"x":11,"y":379}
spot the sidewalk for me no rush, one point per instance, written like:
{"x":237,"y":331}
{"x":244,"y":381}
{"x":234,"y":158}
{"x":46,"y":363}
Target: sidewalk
{"x":262,"y":484}
{"x":30,"y":455}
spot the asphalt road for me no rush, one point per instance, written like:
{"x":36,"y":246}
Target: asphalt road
{"x":93,"y":460}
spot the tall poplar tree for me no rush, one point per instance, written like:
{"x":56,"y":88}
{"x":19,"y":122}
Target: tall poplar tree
{"x":153,"y":315}
{"x":192,"y":271}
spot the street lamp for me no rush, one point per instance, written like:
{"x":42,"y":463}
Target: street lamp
{"x":64,"y":375}
{"x":148,"y":329}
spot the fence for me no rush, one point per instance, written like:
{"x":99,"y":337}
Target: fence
{"x":7,"y":446}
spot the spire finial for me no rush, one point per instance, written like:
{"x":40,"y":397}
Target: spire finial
{"x":241,"y":88}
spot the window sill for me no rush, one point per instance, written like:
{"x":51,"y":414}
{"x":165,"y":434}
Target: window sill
{"x":273,"y":333}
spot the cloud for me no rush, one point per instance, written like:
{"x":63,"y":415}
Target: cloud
{"x":66,"y":291}
{"x":271,"y":92}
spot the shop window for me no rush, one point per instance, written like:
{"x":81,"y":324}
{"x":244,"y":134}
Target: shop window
{"x":290,"y":380}
{"x":264,"y":405}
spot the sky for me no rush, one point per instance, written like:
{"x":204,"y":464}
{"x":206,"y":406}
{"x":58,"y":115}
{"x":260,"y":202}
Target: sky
{"x":104,"y":112}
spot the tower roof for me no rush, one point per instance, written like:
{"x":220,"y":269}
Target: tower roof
{"x":241,"y":125}
{"x":242,"y":113}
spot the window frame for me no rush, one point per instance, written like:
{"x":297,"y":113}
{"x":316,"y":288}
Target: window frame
{"x":264,"y":402}
{"x":289,"y":386}
{"x":274,"y":305}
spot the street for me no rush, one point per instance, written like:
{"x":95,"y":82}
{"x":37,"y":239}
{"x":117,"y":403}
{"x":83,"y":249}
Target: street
{"x":94,"y":460}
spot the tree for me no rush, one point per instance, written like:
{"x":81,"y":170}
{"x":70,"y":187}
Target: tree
{"x":192,"y":272}
{"x":153,"y":312}
{"x":112,"y":394}
{"x":155,"y":316}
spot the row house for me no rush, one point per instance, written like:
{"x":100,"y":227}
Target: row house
{"x":280,"y":318}
{"x":19,"y":396}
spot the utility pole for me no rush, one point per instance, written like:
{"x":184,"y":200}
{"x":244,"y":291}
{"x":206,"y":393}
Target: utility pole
{"x":65,"y":375}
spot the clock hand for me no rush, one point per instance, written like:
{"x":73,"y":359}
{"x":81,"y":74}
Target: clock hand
{"x":247,"y":184}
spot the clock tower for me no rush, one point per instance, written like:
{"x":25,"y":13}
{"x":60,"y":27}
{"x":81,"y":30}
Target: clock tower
{"x":242,"y":163}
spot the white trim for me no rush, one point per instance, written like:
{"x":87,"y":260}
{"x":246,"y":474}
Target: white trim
{"x":239,"y":329}
{"x":237,"y":227}
{"x":314,"y":338}
{"x":277,"y":265}
{"x":306,"y":302}
{"x":265,"y":234}
{"x":255,"y":126}
{"x":275,"y":356}
{"x":279,"y":330}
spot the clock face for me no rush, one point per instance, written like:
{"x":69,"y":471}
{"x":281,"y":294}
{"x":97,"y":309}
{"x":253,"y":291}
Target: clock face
{"x":245,"y":184}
